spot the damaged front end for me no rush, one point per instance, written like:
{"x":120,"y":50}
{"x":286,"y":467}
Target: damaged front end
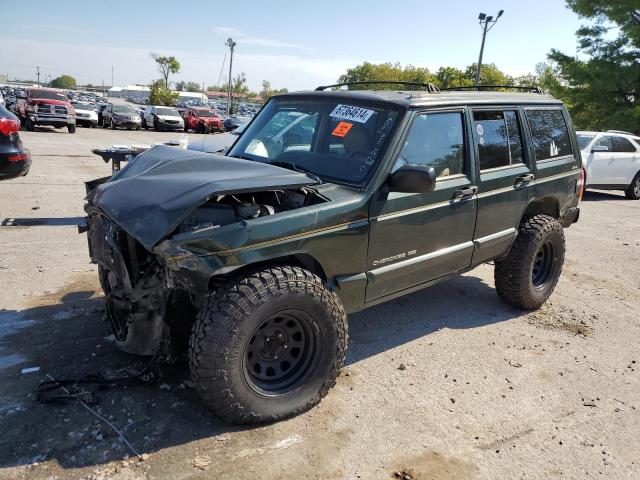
{"x":158,"y":197}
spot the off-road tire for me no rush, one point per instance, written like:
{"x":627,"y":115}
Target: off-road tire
{"x":71,"y":129}
{"x":514,"y":275}
{"x":225,"y":326}
{"x":633,"y":192}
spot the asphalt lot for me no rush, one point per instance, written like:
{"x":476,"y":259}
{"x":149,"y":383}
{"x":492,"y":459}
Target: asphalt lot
{"x":486,"y":392}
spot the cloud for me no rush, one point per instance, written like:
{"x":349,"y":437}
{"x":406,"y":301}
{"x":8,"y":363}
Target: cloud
{"x":251,"y":40}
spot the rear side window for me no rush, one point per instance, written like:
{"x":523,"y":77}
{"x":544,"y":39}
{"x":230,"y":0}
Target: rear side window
{"x":435,"y":140}
{"x":549,"y":134}
{"x":498,"y":138}
{"x":623,"y":145}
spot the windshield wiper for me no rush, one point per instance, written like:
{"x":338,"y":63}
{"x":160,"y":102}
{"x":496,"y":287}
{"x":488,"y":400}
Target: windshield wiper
{"x":293,"y":166}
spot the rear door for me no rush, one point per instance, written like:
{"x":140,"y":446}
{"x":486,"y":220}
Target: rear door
{"x":418,"y":237}
{"x":506,"y":178}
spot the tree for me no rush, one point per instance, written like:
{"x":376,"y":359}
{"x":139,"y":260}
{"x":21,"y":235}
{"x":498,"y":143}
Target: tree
{"x":161,"y":95}
{"x":602,"y":91}
{"x":166,"y":66}
{"x":386,"y":72}
{"x":452,"y":77}
{"x":489,"y":74}
{"x":64,"y":81}
{"x":238,"y":88}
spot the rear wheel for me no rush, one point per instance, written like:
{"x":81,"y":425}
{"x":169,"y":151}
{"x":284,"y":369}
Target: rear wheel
{"x":633,"y":192}
{"x":529,"y":273}
{"x":268,"y":346}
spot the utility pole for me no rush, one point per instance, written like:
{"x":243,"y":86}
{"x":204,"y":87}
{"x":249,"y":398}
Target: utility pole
{"x":38,"y":73}
{"x":487,"y":23}
{"x":231,"y":44}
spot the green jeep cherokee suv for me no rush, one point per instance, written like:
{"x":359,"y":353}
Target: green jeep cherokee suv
{"x":328,"y":203}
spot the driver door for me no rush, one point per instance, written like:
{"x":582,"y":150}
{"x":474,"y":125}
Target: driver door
{"x":419,"y":237}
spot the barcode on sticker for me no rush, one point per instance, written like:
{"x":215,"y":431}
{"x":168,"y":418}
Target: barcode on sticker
{"x":349,"y":112}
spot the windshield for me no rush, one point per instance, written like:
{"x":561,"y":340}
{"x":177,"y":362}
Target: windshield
{"x":81,"y":106}
{"x":204,"y":113}
{"x":123,"y":109}
{"x":48,"y":95}
{"x":584,"y":139}
{"x":340,"y":141}
{"x":168,"y":112}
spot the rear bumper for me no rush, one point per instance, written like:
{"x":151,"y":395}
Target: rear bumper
{"x":11,"y":169}
{"x":570,"y":216}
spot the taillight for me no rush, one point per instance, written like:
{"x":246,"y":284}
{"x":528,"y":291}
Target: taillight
{"x":18,"y":158}
{"x":9,"y":126}
{"x":581,"y":183}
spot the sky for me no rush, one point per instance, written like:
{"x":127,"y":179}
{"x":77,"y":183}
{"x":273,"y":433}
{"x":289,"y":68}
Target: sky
{"x":292,"y":44}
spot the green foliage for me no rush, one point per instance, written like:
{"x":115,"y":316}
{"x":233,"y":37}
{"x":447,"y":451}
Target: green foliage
{"x":64,"y":81}
{"x":161,"y":95}
{"x":386,"y":72}
{"x":183,"y":86}
{"x":603,"y":91}
{"x":445,"y":76}
{"x":166,"y":66}
{"x":268,"y":92}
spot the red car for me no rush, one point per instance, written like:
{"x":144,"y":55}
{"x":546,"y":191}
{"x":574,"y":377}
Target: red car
{"x":202,"y":120}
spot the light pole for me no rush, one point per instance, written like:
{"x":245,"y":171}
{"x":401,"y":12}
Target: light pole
{"x":486,"y":22}
{"x":231,"y":44}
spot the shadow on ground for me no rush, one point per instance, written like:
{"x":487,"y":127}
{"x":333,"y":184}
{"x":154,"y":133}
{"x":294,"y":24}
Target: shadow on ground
{"x":43,"y":222}
{"x":63,"y":335}
{"x":598,"y":196}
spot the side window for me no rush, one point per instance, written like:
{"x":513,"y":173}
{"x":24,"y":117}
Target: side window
{"x":606,"y":142}
{"x":435,"y":140}
{"x":549,"y":134}
{"x":621,"y":144}
{"x":498,"y":137}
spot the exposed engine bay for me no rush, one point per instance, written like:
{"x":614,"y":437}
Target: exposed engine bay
{"x":149,"y":314}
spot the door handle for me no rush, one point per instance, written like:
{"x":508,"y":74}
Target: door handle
{"x":522,"y":179}
{"x":465,"y":192}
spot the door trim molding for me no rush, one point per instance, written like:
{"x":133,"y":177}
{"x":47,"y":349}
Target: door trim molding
{"x":371,"y":274}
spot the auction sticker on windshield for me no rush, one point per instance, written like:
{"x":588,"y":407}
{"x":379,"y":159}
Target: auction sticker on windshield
{"x":342,"y":129}
{"x":349,"y":112}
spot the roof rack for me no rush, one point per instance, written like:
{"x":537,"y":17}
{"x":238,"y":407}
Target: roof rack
{"x":429,"y":87}
{"x":622,"y":132}
{"x":530,"y":89}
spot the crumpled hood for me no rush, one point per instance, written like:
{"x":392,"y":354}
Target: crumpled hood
{"x":158,"y":189}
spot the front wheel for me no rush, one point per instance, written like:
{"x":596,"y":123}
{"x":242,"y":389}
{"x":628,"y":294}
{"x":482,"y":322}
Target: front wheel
{"x":527,"y":276}
{"x":29,"y":125}
{"x":633,"y":192}
{"x":71,"y":129}
{"x":268,"y":346}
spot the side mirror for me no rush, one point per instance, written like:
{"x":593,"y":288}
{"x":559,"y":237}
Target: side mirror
{"x":600,"y":148}
{"x":413,"y":179}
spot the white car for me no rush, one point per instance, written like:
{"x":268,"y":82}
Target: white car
{"x":85,"y":114}
{"x":612,"y":161}
{"x":162,"y":118}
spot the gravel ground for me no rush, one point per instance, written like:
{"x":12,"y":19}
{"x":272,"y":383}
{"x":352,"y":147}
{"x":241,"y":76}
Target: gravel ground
{"x":446,"y":383}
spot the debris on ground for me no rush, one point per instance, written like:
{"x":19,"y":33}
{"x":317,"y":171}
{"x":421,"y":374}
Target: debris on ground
{"x":201,"y":462}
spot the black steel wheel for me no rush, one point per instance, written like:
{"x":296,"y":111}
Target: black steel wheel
{"x":282,"y":351}
{"x":268,"y":346}
{"x":527,"y":276}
